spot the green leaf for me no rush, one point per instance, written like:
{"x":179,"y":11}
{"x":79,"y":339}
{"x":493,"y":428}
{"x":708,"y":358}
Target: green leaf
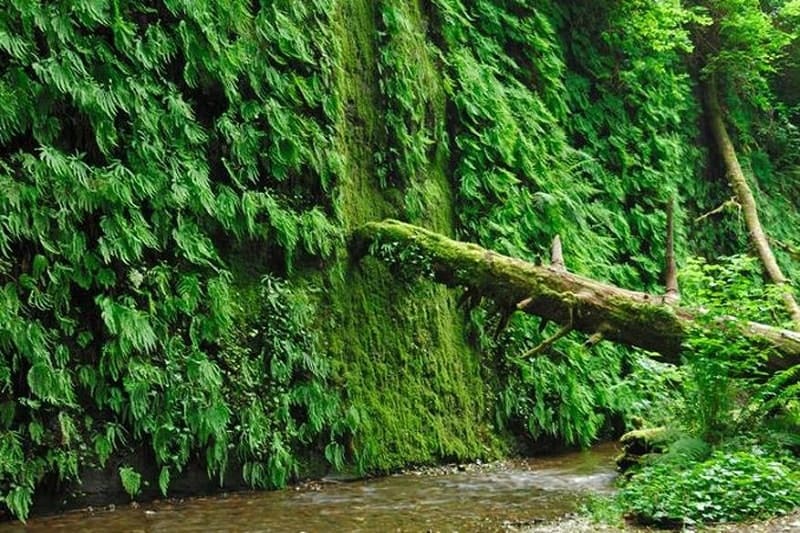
{"x":163,"y":480}
{"x":19,"y":500}
{"x":131,"y":480}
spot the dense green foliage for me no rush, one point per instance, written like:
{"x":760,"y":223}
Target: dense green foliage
{"x":179,"y":178}
{"x":727,"y":487}
{"x":136,"y":142}
{"x":277,"y":387}
{"x":575,"y":121}
{"x":750,"y":422}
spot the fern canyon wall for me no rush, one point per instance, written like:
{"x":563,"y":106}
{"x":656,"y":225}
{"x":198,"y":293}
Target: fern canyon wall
{"x":180,"y":180}
{"x":401,"y":349}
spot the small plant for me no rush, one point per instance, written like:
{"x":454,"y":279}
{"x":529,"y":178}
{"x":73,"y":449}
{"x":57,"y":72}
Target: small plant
{"x":727,"y":487}
{"x":131,"y":480}
{"x":603,"y":510}
{"x":407,"y":261}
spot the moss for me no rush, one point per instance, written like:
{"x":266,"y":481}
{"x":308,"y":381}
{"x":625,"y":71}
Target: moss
{"x":640,"y":443}
{"x":645,"y":439}
{"x":399,"y":351}
{"x":407,"y":368}
{"x":358,"y":134}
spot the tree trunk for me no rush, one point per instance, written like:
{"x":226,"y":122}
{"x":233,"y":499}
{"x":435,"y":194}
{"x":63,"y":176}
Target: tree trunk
{"x":595,"y":308}
{"x":672,"y":295}
{"x":745,"y":198}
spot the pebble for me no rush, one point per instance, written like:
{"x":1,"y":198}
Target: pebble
{"x":784,"y":524}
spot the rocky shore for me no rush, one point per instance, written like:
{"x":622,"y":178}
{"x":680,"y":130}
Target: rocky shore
{"x":578,"y":524}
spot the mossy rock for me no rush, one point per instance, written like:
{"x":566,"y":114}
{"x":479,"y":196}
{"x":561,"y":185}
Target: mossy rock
{"x":639,"y":443}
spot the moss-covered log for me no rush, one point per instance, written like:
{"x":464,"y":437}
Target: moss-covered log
{"x":619,"y":315}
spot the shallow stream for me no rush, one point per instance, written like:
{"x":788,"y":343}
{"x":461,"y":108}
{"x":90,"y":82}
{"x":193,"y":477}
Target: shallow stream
{"x":492,"y":497}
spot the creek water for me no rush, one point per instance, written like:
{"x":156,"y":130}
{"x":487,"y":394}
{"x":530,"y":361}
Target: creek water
{"x":491,"y":497}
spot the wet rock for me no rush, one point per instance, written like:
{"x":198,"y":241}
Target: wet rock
{"x":640,"y":443}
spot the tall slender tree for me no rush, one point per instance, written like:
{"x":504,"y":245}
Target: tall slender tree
{"x":740,"y":48}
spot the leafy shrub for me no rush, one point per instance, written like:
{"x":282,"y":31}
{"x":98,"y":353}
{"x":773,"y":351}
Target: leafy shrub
{"x":727,"y":487}
{"x":277,"y":387}
{"x":724,"y":402}
{"x":723,"y":392}
{"x":686,"y":450}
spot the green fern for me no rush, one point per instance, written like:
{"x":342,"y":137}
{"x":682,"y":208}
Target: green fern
{"x":131,"y":480}
{"x":121,"y":186}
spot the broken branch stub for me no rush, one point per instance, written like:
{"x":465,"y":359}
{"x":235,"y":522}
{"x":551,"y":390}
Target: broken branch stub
{"x":557,"y":255}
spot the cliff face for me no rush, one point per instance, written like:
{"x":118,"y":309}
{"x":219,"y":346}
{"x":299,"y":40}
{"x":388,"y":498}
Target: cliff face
{"x":179,"y":184}
{"x":502,"y":123}
{"x":400,"y":349}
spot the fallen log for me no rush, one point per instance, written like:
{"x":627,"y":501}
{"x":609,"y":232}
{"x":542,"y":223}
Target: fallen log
{"x":597,"y":309}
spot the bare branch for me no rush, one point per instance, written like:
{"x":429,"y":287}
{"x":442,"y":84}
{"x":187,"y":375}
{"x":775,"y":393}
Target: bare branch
{"x":547,"y":343}
{"x":731,"y":202}
{"x":521,"y":306}
{"x":594,"y":339}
